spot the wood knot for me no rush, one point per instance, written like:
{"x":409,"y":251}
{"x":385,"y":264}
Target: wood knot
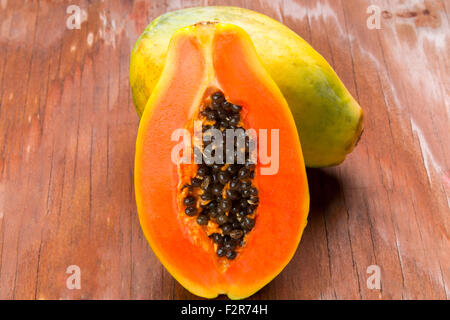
{"x":425,"y":14}
{"x":386,"y":14}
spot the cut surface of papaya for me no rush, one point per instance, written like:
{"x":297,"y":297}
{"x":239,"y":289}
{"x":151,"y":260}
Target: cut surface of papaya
{"x":329,"y":120}
{"x":228,"y":226}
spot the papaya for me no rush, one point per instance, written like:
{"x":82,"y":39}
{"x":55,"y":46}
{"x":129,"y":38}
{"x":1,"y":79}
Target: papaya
{"x":328,"y":118}
{"x":219,"y":225}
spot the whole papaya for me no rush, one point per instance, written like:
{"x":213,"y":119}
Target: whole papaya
{"x":328,"y":118}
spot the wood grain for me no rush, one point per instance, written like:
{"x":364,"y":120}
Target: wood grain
{"x":67,"y":138}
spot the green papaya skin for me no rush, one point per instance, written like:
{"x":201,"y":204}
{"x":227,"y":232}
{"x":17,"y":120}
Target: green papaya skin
{"x":328,"y":118}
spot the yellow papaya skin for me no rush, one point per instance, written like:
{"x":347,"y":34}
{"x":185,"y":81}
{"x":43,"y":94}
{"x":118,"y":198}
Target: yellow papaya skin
{"x":329,"y":120}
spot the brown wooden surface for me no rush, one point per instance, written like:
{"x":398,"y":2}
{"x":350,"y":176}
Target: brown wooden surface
{"x":67,"y":139}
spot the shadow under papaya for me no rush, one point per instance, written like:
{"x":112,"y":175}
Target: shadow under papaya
{"x":324,"y":190}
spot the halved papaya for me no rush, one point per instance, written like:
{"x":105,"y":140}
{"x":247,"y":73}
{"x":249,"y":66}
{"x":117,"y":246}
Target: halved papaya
{"x":229,"y":226}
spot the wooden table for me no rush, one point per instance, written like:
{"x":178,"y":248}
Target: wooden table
{"x":67,"y":139}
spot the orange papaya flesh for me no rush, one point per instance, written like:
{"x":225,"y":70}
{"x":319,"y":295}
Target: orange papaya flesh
{"x":203,"y":59}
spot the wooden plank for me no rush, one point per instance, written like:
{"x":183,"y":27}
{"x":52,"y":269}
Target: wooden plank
{"x":68,"y":129}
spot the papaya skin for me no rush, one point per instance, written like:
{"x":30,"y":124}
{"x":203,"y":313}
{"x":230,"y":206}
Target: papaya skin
{"x":329,"y":120}
{"x":213,"y":51}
